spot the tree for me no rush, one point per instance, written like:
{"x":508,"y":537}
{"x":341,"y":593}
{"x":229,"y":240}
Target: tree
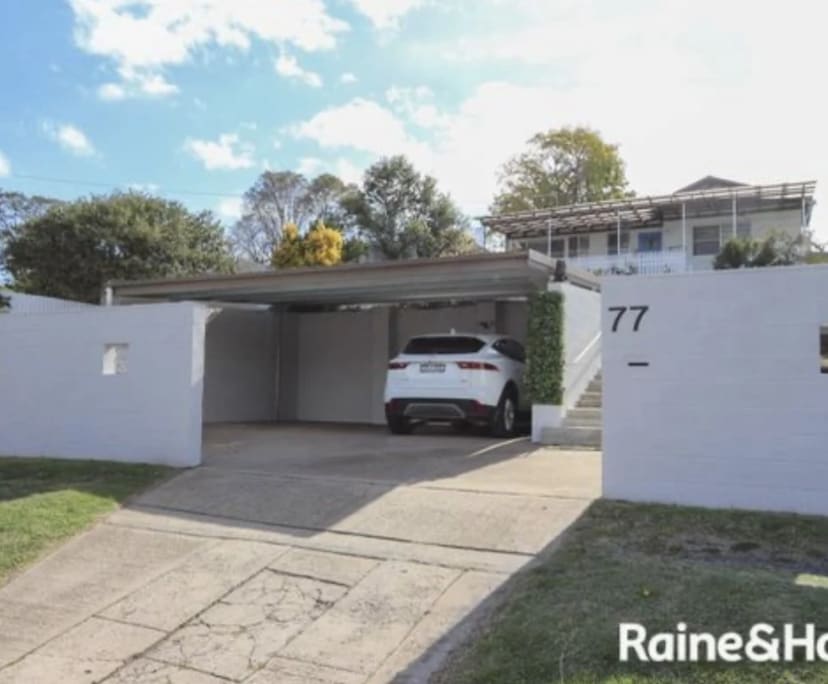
{"x":17,"y":208}
{"x":281,"y":198}
{"x":5,"y":303}
{"x":321,"y":246}
{"x":560,"y":167}
{"x":747,"y":253}
{"x":403,"y":214}
{"x":74,"y":248}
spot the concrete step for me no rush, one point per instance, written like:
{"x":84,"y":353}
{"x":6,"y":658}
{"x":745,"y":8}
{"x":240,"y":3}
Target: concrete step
{"x":589,"y":400}
{"x":584,"y":412}
{"x":582,"y":422}
{"x":594,"y":387}
{"x":571,"y":436}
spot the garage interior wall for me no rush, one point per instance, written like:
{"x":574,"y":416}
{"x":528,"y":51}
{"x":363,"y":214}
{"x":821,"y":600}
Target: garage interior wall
{"x":115,"y":383}
{"x":332,"y":365}
{"x":732,"y":410}
{"x":241,"y":352}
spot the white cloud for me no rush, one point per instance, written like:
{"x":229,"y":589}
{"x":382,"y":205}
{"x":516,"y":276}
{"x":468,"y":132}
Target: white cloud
{"x":70,"y":138}
{"x":111,"y":92}
{"x":348,"y":78}
{"x":287,"y":66}
{"x":143,"y":37}
{"x":386,"y":14}
{"x":230,"y":208}
{"x":227,"y":153}
{"x":361,"y":125}
{"x":416,"y":104}
{"x":344,"y":168}
{"x":5,"y":165}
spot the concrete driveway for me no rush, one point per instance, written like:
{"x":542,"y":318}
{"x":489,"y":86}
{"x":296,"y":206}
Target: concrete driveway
{"x":295,"y":554}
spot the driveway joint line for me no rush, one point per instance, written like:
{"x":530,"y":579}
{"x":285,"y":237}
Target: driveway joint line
{"x":299,"y":575}
{"x":343,"y":533}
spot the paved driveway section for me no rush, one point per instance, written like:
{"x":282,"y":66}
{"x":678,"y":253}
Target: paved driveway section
{"x":295,"y":554}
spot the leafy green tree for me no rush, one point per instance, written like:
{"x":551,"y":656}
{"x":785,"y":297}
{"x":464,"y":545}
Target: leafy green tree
{"x":281,"y":198}
{"x":403,"y":214}
{"x":72,"y":249}
{"x":5,"y":303}
{"x":774,"y":250}
{"x":560,"y":167}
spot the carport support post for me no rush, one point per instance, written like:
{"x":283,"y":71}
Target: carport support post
{"x":684,"y":230}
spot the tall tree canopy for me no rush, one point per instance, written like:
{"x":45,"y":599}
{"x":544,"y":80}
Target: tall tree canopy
{"x":74,"y":248}
{"x":402,"y":213}
{"x":281,"y":198}
{"x":563,"y":166}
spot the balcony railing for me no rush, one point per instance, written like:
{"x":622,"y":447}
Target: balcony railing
{"x":632,"y":263}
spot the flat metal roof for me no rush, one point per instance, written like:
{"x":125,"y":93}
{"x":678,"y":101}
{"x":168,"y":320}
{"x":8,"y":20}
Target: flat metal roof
{"x":478,"y":276}
{"x":642,"y":212}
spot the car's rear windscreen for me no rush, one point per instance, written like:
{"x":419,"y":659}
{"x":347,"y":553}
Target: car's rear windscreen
{"x":451,"y":344}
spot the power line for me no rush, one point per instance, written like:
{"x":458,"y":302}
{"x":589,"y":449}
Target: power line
{"x":99,"y":184}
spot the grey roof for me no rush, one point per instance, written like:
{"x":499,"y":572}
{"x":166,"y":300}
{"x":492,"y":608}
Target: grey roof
{"x":478,"y":276}
{"x":711,"y":183}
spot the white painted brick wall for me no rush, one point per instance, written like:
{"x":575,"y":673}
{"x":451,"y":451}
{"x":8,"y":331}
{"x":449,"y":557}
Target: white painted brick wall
{"x":733,"y":409}
{"x":55,"y":400}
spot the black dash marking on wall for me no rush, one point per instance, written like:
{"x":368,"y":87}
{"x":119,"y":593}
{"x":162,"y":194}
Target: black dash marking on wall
{"x":639,"y":364}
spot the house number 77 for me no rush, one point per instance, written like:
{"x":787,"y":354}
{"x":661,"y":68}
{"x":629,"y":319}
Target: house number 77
{"x":619,"y":312}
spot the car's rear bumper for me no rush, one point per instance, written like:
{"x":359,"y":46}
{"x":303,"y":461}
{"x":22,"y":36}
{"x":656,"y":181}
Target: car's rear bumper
{"x":442,"y":409}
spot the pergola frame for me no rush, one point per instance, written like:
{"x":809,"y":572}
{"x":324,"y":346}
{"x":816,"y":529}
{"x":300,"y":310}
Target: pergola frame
{"x":653,"y":211}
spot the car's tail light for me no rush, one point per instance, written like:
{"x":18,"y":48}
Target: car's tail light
{"x":477,"y":365}
{"x":397,"y":365}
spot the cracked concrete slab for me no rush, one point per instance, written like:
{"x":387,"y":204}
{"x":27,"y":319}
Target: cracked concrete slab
{"x":146,"y":671}
{"x":80,"y":578}
{"x":175,"y":597}
{"x":368,"y":624}
{"x":244,"y":630}
{"x":42,"y":668}
{"x":287,"y":671}
{"x":328,"y":567}
{"x":99,"y":639}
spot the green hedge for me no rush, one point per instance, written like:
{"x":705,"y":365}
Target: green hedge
{"x":545,"y":348}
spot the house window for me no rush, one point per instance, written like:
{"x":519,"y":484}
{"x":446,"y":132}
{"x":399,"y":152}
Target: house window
{"x":612,"y":243}
{"x":115,"y":359}
{"x":649,"y":241}
{"x":742,"y":230}
{"x":578,"y":246}
{"x":823,"y":349}
{"x":556,"y":248}
{"x":706,"y":240}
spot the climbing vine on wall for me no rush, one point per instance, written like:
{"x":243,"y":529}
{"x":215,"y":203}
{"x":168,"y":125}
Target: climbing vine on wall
{"x":545,"y":348}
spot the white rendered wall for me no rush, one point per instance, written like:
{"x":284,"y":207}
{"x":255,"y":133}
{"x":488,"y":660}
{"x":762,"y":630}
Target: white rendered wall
{"x":56,"y":401}
{"x":26,"y":303}
{"x":582,"y":351}
{"x":240,"y":366}
{"x":732,"y":410}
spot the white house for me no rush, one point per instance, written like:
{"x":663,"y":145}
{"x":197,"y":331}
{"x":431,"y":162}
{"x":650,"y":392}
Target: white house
{"x":679,"y":232}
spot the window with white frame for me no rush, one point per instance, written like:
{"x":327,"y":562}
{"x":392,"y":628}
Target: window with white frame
{"x":612,"y":243}
{"x":706,"y":240}
{"x":578,"y":246}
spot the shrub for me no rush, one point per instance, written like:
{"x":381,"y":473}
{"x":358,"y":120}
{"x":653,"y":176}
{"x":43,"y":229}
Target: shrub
{"x":747,"y":253}
{"x":545,"y":348}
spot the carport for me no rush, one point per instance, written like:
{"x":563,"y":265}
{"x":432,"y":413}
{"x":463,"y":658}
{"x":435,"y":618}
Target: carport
{"x":312,"y":344}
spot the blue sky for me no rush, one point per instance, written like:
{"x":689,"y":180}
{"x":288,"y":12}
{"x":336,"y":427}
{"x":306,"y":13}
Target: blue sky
{"x":202,"y":95}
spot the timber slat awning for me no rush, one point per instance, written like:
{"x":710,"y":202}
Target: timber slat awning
{"x":642,"y":212}
{"x":473,"y":277}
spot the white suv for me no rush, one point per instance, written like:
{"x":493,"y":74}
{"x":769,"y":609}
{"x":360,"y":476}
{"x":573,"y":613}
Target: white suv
{"x":456,"y":378}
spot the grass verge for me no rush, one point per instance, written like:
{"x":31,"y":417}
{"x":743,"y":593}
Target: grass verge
{"x":45,"y":501}
{"x":655,"y":565}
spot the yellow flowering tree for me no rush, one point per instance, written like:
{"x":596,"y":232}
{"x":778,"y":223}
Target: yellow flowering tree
{"x":321,"y":246}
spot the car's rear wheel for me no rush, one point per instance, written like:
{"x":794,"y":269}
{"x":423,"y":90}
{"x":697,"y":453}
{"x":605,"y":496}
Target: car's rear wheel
{"x":505,"y":415}
{"x":400,"y":425}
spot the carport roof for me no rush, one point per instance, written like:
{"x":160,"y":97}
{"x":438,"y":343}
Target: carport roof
{"x":479,"y":276}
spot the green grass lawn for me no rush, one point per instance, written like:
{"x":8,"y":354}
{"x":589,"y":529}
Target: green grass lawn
{"x":44,"y":501}
{"x":655,"y":565}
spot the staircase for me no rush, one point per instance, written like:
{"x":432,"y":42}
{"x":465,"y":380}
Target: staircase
{"x":582,"y":425}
